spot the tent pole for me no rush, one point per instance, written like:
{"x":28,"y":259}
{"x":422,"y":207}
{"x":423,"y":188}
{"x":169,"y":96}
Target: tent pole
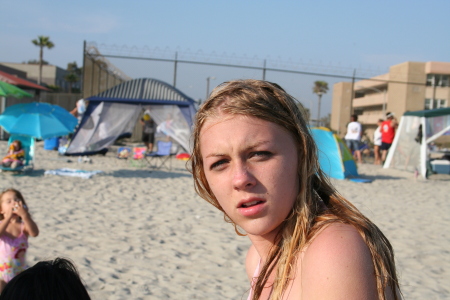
{"x":435,"y":136}
{"x":391,"y":151}
{"x":3,"y":105}
{"x":423,"y":149}
{"x":175,"y":70}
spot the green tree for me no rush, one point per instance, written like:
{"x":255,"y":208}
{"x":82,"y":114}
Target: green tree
{"x":36,"y":62}
{"x":54,"y":88}
{"x":42,"y":42}
{"x":320,"y":88}
{"x":71,"y":78}
{"x":73,"y":68}
{"x":73,"y":75}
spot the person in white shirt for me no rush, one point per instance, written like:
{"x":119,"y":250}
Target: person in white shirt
{"x":353,"y":137}
{"x":377,"y":143}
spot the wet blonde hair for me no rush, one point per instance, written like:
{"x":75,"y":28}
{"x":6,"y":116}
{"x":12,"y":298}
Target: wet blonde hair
{"x":318,"y":203}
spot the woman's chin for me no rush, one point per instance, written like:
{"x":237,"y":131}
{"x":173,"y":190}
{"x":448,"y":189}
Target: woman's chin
{"x":259,"y":229}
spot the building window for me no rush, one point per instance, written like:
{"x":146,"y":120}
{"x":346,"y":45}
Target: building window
{"x":435,"y":103}
{"x":438,"y":80}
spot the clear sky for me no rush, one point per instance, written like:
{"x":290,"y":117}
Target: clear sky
{"x":333,"y":37}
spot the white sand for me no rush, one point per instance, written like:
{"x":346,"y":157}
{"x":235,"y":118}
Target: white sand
{"x":140,"y":235}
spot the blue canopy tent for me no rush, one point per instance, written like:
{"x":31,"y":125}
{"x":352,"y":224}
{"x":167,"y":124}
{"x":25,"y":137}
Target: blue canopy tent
{"x":335,"y":158}
{"x":114,"y":112}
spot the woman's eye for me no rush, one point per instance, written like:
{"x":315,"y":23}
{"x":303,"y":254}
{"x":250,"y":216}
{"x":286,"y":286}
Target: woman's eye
{"x":261,"y":154}
{"x":218,"y":164}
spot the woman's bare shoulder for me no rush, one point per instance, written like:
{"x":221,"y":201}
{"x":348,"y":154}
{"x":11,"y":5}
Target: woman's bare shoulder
{"x":337,"y":264}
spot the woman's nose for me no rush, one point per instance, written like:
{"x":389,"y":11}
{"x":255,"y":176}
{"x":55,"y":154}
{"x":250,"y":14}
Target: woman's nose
{"x":242,"y":177}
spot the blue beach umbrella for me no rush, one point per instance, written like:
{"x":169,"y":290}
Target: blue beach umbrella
{"x":38,"y":120}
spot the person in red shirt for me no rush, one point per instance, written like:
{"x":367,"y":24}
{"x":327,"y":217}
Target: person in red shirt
{"x":387,"y":134}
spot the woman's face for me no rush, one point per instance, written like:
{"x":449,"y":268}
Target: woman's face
{"x":251,"y":167}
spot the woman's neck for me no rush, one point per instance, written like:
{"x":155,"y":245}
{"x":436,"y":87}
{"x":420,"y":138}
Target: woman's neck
{"x":263,"y":244}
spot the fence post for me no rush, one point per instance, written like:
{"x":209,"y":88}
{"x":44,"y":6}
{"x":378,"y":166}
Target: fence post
{"x":175,"y":70}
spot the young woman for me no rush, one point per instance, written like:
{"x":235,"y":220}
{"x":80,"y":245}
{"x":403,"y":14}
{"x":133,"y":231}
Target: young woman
{"x":256,"y":161}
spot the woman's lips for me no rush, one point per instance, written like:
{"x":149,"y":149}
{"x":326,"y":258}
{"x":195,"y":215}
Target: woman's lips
{"x":251,"y":207}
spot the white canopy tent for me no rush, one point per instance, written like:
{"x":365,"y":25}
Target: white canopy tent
{"x":417,"y":129}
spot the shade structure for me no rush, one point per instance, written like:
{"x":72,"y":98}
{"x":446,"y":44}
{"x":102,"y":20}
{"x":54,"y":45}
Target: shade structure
{"x":20,"y":82}
{"x":38,"y":120}
{"x":9,"y":90}
{"x":114,"y":112}
{"x":335,"y":159}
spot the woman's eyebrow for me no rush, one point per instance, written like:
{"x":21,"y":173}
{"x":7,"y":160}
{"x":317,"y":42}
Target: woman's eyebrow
{"x":214,"y":155}
{"x":250,"y":147}
{"x":257,"y":144}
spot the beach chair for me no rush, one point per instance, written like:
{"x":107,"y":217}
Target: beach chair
{"x":161,"y":158}
{"x":28,"y":145}
{"x":138,"y":157}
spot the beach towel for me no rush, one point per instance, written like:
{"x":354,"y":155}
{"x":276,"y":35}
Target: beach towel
{"x":72,"y":173}
{"x":361,"y":180}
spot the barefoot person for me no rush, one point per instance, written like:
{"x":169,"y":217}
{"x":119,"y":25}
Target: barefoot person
{"x":255,"y":160}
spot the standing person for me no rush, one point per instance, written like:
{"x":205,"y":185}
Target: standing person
{"x":79,"y":110}
{"x":16,"y":225}
{"x":388,"y":128}
{"x":377,"y":143}
{"x":353,"y":137}
{"x":148,"y":131}
{"x":255,"y":160}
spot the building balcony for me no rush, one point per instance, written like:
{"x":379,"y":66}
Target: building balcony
{"x":370,"y":100}
{"x":370,"y":119}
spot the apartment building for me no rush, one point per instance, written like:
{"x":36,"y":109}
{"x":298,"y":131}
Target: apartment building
{"x":408,"y":86}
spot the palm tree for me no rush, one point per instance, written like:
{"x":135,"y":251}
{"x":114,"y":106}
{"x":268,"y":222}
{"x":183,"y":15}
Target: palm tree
{"x":42,"y":42}
{"x":320,"y":88}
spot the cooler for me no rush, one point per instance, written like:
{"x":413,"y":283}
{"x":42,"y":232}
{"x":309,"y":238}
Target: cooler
{"x":440,"y":166}
{"x":51,"y":143}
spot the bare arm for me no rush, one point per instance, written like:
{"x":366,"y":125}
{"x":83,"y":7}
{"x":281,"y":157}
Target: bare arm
{"x":338,"y":265}
{"x":6,"y":219}
{"x":394,"y":123}
{"x":30,"y":226}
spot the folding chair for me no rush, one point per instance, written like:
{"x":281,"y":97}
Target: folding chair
{"x":28,"y":147}
{"x":162,"y":155}
{"x":138,"y":156}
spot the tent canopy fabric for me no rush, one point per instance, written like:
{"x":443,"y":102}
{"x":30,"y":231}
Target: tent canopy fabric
{"x":335,"y":158}
{"x":417,"y":129}
{"x":429,"y":113}
{"x":143,"y":90}
{"x":115,"y":112}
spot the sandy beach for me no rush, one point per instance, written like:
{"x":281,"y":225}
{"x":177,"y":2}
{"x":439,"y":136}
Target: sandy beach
{"x":135,"y":234}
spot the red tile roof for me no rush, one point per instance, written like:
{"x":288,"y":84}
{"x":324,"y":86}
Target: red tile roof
{"x":14,"y":80}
